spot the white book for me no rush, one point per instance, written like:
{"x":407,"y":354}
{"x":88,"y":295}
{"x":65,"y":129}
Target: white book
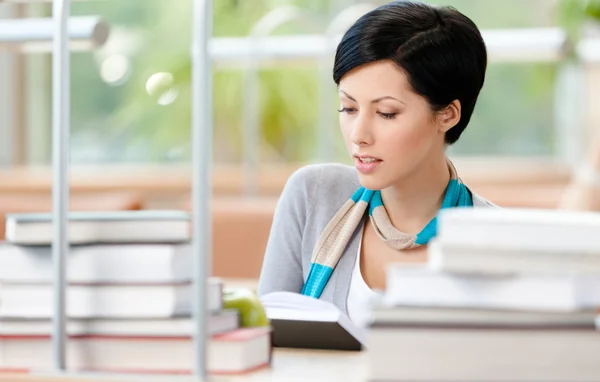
{"x":106,"y":300}
{"x":217,"y":322}
{"x":420,"y":286}
{"x":238,"y":351}
{"x":90,"y":264}
{"x":426,"y":354}
{"x":144,"y":226}
{"x":479,"y":317}
{"x":520,"y":229}
{"x":464,"y":258}
{"x":305,"y":322}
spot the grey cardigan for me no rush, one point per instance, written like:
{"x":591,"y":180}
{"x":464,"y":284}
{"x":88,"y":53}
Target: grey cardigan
{"x":310,"y":198}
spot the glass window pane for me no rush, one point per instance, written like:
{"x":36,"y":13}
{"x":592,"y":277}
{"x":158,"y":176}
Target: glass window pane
{"x":131,"y":99}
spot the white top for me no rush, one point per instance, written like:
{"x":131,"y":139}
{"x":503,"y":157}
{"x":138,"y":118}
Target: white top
{"x":360,"y":295}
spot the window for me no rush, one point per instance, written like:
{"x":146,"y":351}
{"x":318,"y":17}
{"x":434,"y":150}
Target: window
{"x":131,"y":98}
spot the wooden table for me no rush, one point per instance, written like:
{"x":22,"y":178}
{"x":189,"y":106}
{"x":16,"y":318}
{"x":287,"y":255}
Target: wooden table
{"x":289,"y":365}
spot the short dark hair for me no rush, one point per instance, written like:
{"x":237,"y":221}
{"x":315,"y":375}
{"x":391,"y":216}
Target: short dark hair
{"x":440,"y":50}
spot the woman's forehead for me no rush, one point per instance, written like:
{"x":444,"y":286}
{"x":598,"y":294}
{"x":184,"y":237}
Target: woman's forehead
{"x":376,"y":79}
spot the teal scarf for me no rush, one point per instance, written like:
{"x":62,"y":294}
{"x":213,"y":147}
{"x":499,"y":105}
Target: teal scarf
{"x":341,"y":227}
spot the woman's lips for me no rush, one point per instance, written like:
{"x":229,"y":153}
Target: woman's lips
{"x":366,"y":165}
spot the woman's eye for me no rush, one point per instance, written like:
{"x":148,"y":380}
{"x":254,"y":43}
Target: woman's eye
{"x":348,"y":110}
{"x":387,"y":115}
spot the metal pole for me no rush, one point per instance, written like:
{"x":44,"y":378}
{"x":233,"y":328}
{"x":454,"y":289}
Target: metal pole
{"x":202,"y":125}
{"x":17,"y":32}
{"x":60,"y":166}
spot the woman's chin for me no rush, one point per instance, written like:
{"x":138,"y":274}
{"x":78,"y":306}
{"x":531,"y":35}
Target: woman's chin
{"x":371,"y":182}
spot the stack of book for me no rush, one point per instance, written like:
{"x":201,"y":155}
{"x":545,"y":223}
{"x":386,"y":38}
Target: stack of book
{"x":506,"y":295}
{"x":129,"y":298}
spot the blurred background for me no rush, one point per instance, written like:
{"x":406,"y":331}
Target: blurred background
{"x":275,"y":106}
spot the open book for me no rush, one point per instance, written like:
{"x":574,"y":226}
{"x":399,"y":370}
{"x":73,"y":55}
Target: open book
{"x":305,"y":322}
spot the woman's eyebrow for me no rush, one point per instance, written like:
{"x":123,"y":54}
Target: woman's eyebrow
{"x":387,"y":97}
{"x":347,"y":95}
{"x":375,"y":100}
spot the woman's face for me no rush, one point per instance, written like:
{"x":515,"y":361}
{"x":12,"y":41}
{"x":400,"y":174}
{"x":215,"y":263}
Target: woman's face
{"x":389,"y":130}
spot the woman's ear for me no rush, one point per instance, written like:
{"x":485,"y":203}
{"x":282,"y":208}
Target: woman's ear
{"x":449,"y":116}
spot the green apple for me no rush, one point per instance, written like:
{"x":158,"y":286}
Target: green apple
{"x":252,"y":311}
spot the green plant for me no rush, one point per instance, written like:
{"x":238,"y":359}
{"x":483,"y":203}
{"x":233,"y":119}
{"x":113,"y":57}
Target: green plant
{"x":286,"y":95}
{"x":571,"y":15}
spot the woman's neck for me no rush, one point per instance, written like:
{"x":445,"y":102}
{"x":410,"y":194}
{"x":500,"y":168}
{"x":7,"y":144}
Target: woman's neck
{"x":416,"y":200}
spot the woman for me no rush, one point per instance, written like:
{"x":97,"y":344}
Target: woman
{"x":408,"y":76}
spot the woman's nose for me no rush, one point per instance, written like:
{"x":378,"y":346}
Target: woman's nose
{"x":361,"y":133}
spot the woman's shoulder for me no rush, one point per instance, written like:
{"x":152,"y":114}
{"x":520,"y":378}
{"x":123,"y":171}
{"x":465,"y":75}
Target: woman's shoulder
{"x":335,"y":183}
{"x":321,"y":187}
{"x":327,"y":176}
